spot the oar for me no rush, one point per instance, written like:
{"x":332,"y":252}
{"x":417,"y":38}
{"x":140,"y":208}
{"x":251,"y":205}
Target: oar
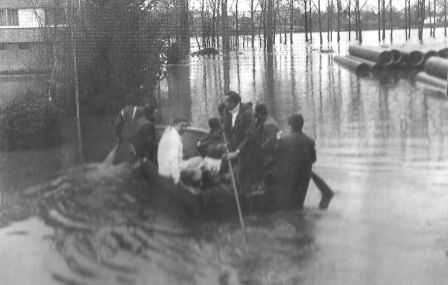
{"x":237,"y":199}
{"x":323,"y":187}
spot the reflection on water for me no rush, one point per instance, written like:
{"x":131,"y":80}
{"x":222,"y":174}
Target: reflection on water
{"x":381,"y":143}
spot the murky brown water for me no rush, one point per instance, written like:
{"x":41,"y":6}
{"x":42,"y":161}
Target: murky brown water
{"x":382,"y":146}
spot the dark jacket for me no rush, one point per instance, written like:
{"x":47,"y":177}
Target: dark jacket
{"x":243,"y":134}
{"x":212,"y":145}
{"x":267,"y":134}
{"x":136,"y":133}
{"x":295,"y":154}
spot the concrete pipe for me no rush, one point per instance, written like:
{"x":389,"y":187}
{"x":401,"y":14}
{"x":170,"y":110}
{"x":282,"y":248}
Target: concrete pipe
{"x":430,"y":80}
{"x":443,"y":52}
{"x":412,"y":57}
{"x":437,"y":66}
{"x":373,"y":54}
{"x":374,"y":66}
{"x":357,"y":66}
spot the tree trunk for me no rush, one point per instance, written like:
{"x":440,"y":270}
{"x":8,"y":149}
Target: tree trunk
{"x":328,"y":21}
{"x":359,"y":22}
{"x":331,"y":21}
{"x":384,"y":20}
{"x":311,"y":24}
{"x":422,"y":19}
{"x":225,"y":26}
{"x":252,"y":21}
{"x":406,"y":19}
{"x":237,"y":32}
{"x":286,"y":29}
{"x":184,"y":28}
{"x":74,"y":17}
{"x":349,"y":20}
{"x":338,"y":3}
{"x":291,"y":20}
{"x":356,"y":20}
{"x":214,"y":25}
{"x":409,"y":19}
{"x":270,"y":26}
{"x":320,"y":23}
{"x":434,"y":11}
{"x":305,"y":2}
{"x":202,"y":22}
{"x":379,"y":20}
{"x":391,"y":22}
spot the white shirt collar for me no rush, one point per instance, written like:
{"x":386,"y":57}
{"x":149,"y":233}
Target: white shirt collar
{"x":234,"y":113}
{"x":236,"y":109}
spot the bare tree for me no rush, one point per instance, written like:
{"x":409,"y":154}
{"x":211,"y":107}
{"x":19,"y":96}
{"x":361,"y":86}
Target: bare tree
{"x":237,"y":40}
{"x":421,"y":19}
{"x":225,"y":26}
{"x":305,"y":11}
{"x":338,"y":3}
{"x":291,"y":20}
{"x":320,"y":23}
{"x":270,"y":25}
{"x":349,"y":5}
{"x":252,"y":21}
{"x":384,"y":19}
{"x":311,"y":24}
{"x":379,"y":20}
{"x":391,"y":21}
{"x":405,"y":19}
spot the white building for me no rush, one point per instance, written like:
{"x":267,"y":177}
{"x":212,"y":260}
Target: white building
{"x":23,"y":24}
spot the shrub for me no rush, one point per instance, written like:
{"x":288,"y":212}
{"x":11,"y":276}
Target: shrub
{"x":28,"y":122}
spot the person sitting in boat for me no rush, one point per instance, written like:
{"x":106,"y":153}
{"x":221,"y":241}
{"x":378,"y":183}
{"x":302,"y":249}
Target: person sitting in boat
{"x":135,"y":131}
{"x":267,"y":129}
{"x":170,"y":159}
{"x":212,"y":145}
{"x":240,"y":131}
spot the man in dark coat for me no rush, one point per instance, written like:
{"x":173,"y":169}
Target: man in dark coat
{"x":295,"y":154}
{"x":135,"y":130}
{"x":240,"y":130}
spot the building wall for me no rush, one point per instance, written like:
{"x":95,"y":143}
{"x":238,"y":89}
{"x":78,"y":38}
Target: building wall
{"x":13,"y":59}
{"x":31,"y":17}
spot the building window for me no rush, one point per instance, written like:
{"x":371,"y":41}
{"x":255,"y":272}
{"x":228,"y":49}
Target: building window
{"x":3,"y":46}
{"x":24,"y":45}
{"x":9,"y":17}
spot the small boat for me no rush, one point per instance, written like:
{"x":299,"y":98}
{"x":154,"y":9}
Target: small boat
{"x":213,"y":202}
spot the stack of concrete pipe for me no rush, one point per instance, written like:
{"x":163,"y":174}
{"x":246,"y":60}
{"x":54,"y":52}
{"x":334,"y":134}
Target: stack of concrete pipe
{"x":435,"y":72}
{"x":379,"y":58}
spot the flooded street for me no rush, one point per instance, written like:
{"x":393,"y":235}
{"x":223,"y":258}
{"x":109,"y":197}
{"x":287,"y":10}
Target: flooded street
{"x":382,"y":146}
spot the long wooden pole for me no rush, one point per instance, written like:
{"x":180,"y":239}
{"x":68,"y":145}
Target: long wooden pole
{"x":237,"y":199}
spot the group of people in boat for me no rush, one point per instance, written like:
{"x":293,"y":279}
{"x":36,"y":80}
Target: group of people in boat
{"x":261,"y":155}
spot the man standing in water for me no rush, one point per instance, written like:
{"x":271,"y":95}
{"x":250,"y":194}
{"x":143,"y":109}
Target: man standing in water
{"x":295,"y":154}
{"x":240,"y":130}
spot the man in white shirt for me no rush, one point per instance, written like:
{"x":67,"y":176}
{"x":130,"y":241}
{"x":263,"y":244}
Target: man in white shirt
{"x":170,"y":155}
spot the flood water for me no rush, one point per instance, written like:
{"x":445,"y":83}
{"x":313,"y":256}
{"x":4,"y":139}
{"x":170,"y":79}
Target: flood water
{"x":381,"y":143}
